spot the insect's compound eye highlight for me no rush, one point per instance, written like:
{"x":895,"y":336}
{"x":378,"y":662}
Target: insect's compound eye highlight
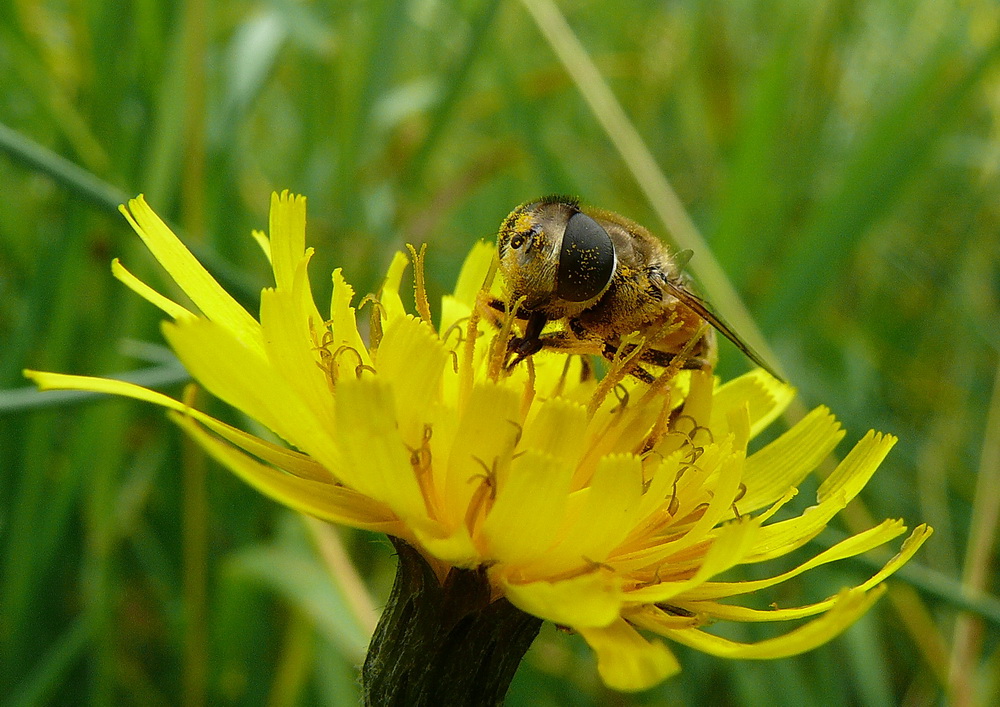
{"x":586,"y":259}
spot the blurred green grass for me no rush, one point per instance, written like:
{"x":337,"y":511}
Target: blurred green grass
{"x":840,"y":158}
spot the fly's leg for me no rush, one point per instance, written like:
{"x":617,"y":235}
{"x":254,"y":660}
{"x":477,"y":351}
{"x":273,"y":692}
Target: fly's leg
{"x":663,"y":359}
{"x":610,"y":352}
{"x":520,"y":347}
{"x":653,"y":357}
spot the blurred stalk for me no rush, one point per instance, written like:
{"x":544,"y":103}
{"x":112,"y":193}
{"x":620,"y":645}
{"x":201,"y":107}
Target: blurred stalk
{"x":195,"y":554}
{"x":79,"y":181}
{"x":195,"y":65}
{"x":646,"y":172}
{"x":294,"y":662}
{"x":50,"y":670}
{"x":968,"y":633}
{"x":920,"y":622}
{"x":343,"y":573}
{"x":101,"y":581}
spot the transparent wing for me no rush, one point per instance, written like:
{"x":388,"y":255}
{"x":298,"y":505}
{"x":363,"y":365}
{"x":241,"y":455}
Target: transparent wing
{"x":703,"y":310}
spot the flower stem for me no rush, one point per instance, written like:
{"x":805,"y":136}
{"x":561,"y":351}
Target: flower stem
{"x":444,"y":644}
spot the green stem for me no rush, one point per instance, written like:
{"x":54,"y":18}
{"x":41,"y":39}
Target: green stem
{"x":444,"y":644}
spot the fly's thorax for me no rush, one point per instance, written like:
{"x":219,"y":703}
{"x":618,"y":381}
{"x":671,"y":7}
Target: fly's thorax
{"x":627,"y":306}
{"x":639,"y":300}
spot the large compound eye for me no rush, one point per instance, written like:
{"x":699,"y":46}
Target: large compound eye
{"x":586,"y":260}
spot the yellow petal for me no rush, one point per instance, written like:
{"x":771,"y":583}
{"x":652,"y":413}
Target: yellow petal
{"x":287,"y":229}
{"x":621,"y":431}
{"x":458,"y":375}
{"x":853,"y":473}
{"x":322,"y":500}
{"x":700,"y":399}
{"x":392,"y":305}
{"x":689,"y":485}
{"x":848,"y":608}
{"x":290,"y":257}
{"x":766,"y":396}
{"x":62,"y":381}
{"x":593,"y":599}
{"x":743,"y":614}
{"x":786,"y":461}
{"x":909,"y":549}
{"x":184,"y":268}
{"x":291,"y":351}
{"x":720,"y":507}
{"x":453,"y":311}
{"x":661,"y":474}
{"x":486,"y":433}
{"x":658,"y":618}
{"x":834,"y":494}
{"x":411,"y":359}
{"x":345,"y":324}
{"x":472,"y":275}
{"x":262,"y":241}
{"x":738,"y":422}
{"x":778,"y":539}
{"x":598,"y":518}
{"x":608,"y":512}
{"x":454,"y":547}
{"x":627,"y":661}
{"x":529,"y":508}
{"x":242,"y":378}
{"x":850,"y":547}
{"x":287,"y":459}
{"x":555,"y":429}
{"x":375,"y":461}
{"x":148,"y":293}
{"x":303,"y":296}
{"x":729,"y":547}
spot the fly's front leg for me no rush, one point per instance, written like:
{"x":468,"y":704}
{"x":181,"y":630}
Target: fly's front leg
{"x":495,"y":311}
{"x":520,"y":347}
{"x":491,"y":308}
{"x":564,"y":342}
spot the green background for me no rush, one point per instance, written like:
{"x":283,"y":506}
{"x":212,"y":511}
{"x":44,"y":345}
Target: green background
{"x":840,"y":158}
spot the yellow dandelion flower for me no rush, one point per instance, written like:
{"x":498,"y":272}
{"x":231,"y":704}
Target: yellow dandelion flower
{"x":607,"y":506}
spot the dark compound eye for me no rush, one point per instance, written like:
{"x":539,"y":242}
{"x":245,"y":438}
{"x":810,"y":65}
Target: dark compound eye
{"x":586,"y":259}
{"x":516,"y":241}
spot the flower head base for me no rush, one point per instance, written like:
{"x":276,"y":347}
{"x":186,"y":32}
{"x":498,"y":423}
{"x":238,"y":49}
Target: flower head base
{"x":605,"y":505}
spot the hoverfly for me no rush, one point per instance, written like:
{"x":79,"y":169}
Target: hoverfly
{"x":605,"y":277}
